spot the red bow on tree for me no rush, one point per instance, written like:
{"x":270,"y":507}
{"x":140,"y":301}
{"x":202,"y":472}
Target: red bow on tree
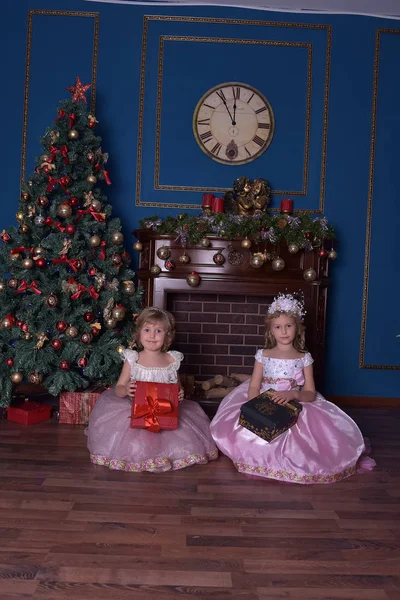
{"x":23,"y":286}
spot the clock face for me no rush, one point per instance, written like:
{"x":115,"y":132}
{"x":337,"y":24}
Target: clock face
{"x":233,"y":123}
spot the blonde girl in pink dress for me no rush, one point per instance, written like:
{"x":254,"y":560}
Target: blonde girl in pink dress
{"x":324,"y":446}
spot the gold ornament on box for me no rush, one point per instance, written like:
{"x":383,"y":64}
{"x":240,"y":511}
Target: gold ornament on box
{"x":155,"y":270}
{"x":204,"y":242}
{"x":278,"y":264}
{"x":184,"y":258}
{"x":73,"y":134}
{"x":293,"y":248}
{"x":310,"y":275}
{"x":257,"y":260}
{"x":193,"y":279}
{"x":246,"y":243}
{"x":117,"y":237}
{"x":16,"y":377}
{"x":163,"y":253}
{"x":138,"y":246}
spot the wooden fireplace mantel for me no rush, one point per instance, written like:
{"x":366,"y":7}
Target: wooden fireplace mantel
{"x":232,"y":278}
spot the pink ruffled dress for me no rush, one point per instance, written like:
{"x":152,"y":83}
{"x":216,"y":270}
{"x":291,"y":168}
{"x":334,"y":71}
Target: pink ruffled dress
{"x":324,"y":446}
{"x":114,"y":444}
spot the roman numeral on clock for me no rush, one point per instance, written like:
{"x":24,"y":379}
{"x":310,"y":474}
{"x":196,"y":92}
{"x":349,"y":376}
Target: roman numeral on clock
{"x":221,"y":94}
{"x":216,"y":149}
{"x":203,"y":122}
{"x":258,"y":140}
{"x":260,"y":110}
{"x":206,"y":136}
{"x":236,"y":93}
{"x":248,"y":153}
{"x":264,"y":125}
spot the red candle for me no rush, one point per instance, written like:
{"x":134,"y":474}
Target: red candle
{"x":286,"y":205}
{"x":207,"y":200}
{"x":218,"y":205}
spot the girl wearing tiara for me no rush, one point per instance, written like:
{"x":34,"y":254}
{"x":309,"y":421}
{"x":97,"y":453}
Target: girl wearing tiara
{"x":324,"y":446}
{"x":111,"y":440}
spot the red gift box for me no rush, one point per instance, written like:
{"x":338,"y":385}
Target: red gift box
{"x":75,"y":407}
{"x":155,"y":406}
{"x":29,"y":413}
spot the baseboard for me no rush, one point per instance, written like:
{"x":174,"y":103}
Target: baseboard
{"x":365,"y":401}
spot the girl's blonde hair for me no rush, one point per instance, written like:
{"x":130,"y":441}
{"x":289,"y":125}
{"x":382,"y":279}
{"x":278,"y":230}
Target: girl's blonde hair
{"x":299,"y":342}
{"x":155,"y":315}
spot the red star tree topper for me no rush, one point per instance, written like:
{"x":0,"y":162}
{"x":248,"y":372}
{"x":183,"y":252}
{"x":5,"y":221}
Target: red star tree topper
{"x":78,"y":90}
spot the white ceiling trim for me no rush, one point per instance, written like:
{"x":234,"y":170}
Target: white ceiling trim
{"x":384,"y":9}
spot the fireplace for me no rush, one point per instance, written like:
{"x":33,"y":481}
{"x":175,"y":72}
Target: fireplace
{"x":219,"y":322}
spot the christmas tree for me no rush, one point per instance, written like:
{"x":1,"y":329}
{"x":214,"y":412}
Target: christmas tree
{"x":67,"y":296}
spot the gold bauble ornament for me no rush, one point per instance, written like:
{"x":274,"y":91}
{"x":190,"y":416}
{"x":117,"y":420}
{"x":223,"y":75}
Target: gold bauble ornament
{"x":155,"y":270}
{"x":26,"y":335}
{"x":2,"y":286}
{"x":278,"y":264}
{"x":95,"y":241}
{"x":193,"y":279}
{"x":64,"y":210}
{"x":71,"y":331}
{"x":12,"y":283}
{"x":138,"y":246}
{"x":332,"y":254}
{"x":204,"y":242}
{"x":35,"y":377}
{"x":117,"y":237}
{"x":24,"y":228}
{"x":73,"y":134}
{"x":163,"y":253}
{"x":16,"y":377}
{"x":111,"y":323}
{"x":96,"y":205}
{"x":30,"y":183}
{"x":310,"y":275}
{"x":257,"y":260}
{"x":86,"y":338}
{"x":39,"y":251}
{"x":118,"y":313}
{"x":27,"y":263}
{"x":293,"y":248}
{"x":120,"y":349}
{"x":15,"y":257}
{"x":129,"y":288}
{"x":42,"y":201}
{"x":246,"y":243}
{"x":184,"y":258}
{"x":91,"y":179}
{"x":6,"y":323}
{"x":19,"y":216}
{"x":25,"y":196}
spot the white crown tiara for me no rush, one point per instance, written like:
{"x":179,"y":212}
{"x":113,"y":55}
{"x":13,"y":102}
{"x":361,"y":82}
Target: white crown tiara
{"x":287,"y":303}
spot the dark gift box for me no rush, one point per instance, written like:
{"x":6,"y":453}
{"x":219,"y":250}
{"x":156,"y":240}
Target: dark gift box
{"x":155,"y":406}
{"x":29,"y":413}
{"x":266,"y":419}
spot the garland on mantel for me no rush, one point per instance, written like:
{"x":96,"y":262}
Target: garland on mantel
{"x":304,"y":231}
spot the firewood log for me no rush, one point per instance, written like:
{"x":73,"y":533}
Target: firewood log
{"x":210,"y":383}
{"x":225,"y":381}
{"x":241,"y":377}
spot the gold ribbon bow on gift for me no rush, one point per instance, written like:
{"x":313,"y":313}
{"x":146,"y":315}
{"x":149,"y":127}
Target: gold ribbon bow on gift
{"x":150,"y":411}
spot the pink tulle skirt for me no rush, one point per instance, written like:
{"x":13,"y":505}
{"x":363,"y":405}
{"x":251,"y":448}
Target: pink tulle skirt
{"x":114,"y":444}
{"x":324,"y":446}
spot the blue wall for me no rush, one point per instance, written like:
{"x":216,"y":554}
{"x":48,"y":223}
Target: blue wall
{"x":323,"y":163}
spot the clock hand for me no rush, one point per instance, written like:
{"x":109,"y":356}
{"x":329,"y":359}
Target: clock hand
{"x":226,"y":106}
{"x":234,"y":107}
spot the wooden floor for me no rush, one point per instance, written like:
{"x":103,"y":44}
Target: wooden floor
{"x":70,"y":530}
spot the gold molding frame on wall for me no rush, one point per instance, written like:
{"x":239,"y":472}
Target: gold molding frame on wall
{"x":54,"y":13}
{"x":147,"y":19}
{"x":181,"y":38}
{"x":362,"y":364}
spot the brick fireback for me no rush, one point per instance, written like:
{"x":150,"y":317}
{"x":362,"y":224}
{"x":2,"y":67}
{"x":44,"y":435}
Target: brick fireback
{"x":217,"y":333}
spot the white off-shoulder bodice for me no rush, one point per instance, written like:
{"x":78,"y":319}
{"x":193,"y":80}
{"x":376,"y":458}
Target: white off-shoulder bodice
{"x":168,"y":374}
{"x":283,"y":374}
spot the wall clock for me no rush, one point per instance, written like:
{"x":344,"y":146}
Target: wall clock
{"x":233,"y":123}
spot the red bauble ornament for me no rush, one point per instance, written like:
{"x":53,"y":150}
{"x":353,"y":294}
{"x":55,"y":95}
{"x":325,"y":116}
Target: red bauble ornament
{"x":92,"y":271}
{"x":25,"y":327}
{"x":5,"y":237}
{"x":322,"y":253}
{"x":307,"y":234}
{"x":19,"y":323}
{"x":169,"y":265}
{"x":95,"y":331}
{"x":80,"y":264}
{"x":10,"y":362}
{"x":74,"y":202}
{"x":92,"y":124}
{"x":88,"y":316}
{"x":65,"y":365}
{"x":61,"y":326}
{"x":70,"y":229}
{"x":41,"y":263}
{"x":56,"y":344}
{"x":82,"y":362}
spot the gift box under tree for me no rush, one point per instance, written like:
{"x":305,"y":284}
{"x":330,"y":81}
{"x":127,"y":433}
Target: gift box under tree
{"x":263,"y":417}
{"x":75,"y":407}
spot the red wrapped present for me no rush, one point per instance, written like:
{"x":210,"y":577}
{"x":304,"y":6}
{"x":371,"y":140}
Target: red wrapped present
{"x":75,"y":407}
{"x":28,"y":412}
{"x":155,"y":406}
